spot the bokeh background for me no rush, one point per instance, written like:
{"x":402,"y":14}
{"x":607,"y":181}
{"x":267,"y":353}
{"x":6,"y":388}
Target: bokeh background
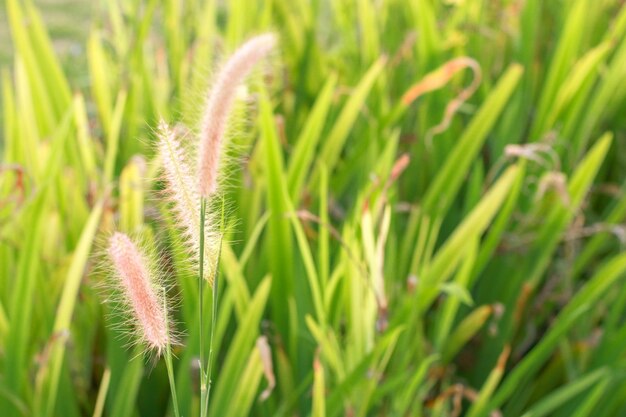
{"x":426,"y":206}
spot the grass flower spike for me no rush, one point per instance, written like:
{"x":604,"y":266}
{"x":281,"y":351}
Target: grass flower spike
{"x":180,"y":184}
{"x":181,"y":190}
{"x":138,"y":290}
{"x":219,"y":104}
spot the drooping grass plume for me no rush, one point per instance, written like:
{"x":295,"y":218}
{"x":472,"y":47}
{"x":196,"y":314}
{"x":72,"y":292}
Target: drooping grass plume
{"x":146,"y":305}
{"x":219,"y":104}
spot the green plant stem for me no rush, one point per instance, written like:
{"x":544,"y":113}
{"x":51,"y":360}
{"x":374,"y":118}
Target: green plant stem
{"x":203,"y":376}
{"x":214,"y":308}
{"x":168,"y":364}
{"x":170,"y":375}
{"x":209,"y":368}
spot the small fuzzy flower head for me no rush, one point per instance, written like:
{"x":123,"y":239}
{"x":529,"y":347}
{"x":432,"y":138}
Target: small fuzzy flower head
{"x":219,"y":104}
{"x":181,"y":191}
{"x":142,"y":298}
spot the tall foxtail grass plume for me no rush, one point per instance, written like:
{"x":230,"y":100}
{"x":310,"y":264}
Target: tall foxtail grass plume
{"x":219,"y":104}
{"x":180,"y":185}
{"x":148,"y":309}
{"x":181,"y":190}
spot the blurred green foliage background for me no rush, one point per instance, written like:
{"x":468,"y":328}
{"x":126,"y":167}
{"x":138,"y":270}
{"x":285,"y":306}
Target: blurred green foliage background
{"x":395,"y":265}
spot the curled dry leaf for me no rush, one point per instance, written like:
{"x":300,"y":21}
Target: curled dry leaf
{"x":439,"y":78}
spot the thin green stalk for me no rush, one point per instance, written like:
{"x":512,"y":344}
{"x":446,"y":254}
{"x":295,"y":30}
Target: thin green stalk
{"x":168,"y":364}
{"x":170,"y":375}
{"x":203,"y":376}
{"x":214,"y":308}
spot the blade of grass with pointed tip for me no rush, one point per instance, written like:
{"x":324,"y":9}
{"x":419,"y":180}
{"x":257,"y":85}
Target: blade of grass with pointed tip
{"x":29,"y":266}
{"x":565,"y":393}
{"x":278,"y":240}
{"x":319,"y":390}
{"x":494,"y":235}
{"x":42,"y":105}
{"x":328,"y":345}
{"x":57,"y":85}
{"x":100,"y":85}
{"x":125,"y":397}
{"x":309,"y":263}
{"x":451,"y":304}
{"x":465,"y":330}
{"x":113,"y":137}
{"x":604,"y":279}
{"x":244,"y":396}
{"x":557,"y":220}
{"x":563,"y":58}
{"x":334,"y":143}
{"x":455,"y":247}
{"x":306,"y":143}
{"x":227,"y":380}
{"x":66,"y":307}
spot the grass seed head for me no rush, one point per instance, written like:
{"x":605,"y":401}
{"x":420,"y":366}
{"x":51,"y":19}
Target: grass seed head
{"x":180,"y":189}
{"x":144,"y":300}
{"x":219,"y":104}
{"x":179,"y":184}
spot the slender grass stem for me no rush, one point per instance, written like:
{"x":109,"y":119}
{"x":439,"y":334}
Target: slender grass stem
{"x":214,"y":308}
{"x":170,"y":367}
{"x":203,"y":375}
{"x":170,"y":375}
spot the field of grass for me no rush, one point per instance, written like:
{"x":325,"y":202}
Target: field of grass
{"x":425,"y":208}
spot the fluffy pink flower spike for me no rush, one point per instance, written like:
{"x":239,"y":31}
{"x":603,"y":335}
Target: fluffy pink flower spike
{"x":219,"y":105}
{"x":133,"y":273}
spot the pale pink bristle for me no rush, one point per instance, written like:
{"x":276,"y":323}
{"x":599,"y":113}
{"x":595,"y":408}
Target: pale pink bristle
{"x":219,"y":105}
{"x":133,"y":273}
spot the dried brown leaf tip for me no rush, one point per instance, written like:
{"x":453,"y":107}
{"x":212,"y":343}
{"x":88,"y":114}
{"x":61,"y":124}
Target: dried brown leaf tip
{"x":439,"y":78}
